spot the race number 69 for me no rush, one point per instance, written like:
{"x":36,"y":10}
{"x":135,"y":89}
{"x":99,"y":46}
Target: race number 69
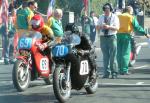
{"x":44,"y":64}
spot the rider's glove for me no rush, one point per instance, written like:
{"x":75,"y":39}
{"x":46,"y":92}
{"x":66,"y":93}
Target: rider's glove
{"x":41,"y":46}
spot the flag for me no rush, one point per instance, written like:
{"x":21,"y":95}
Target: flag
{"x":4,"y":16}
{"x":0,"y":11}
{"x":50,"y":8}
{"x":85,"y":6}
{"x":4,"y":12}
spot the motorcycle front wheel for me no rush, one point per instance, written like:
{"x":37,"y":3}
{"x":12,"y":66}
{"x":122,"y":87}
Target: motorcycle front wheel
{"x":62,"y":89}
{"x":92,"y":84}
{"x":21,"y":76}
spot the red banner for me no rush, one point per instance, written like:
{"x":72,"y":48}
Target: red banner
{"x":50,"y":8}
{"x":4,"y":13}
{"x":85,"y":6}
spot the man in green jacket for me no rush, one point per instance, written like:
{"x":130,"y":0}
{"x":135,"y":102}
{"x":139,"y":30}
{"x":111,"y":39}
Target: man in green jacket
{"x":128,"y":24}
{"x":55,"y":23}
{"x":24,"y":16}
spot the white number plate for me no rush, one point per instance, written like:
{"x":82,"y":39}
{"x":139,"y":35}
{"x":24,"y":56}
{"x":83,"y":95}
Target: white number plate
{"x":44,"y":64}
{"x":84,"y":67}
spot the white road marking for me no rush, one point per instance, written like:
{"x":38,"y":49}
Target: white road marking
{"x":97,"y":49}
{"x":1,"y":61}
{"x":123,"y":84}
{"x":140,"y":67}
{"x":139,"y":83}
{"x":47,"y":86}
{"x":6,"y":82}
{"x":143,"y":43}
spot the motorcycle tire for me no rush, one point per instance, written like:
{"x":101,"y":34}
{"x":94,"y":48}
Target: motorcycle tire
{"x":21,"y":81}
{"x":49,"y":80}
{"x":93,"y":84}
{"x":61,"y":91}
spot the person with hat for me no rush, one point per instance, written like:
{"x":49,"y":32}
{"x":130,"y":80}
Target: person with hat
{"x":108,"y":25}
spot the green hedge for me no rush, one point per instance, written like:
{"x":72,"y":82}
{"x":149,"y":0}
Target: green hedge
{"x":98,"y":4}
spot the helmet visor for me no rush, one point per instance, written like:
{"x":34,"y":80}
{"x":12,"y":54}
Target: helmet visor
{"x":35,"y":23}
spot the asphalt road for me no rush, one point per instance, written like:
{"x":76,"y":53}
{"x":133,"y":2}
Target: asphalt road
{"x":134,"y":88}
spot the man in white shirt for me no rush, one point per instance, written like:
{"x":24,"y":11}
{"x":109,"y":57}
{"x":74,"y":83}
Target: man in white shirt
{"x":108,"y":25}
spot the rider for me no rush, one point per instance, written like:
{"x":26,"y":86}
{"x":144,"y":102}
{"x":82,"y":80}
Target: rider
{"x":84,"y":46}
{"x":37,"y":24}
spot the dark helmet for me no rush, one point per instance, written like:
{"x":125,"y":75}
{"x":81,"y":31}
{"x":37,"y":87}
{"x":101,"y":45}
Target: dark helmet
{"x":72,"y":27}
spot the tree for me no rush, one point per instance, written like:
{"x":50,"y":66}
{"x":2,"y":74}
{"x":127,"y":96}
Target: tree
{"x":70,"y":5}
{"x":98,"y":4}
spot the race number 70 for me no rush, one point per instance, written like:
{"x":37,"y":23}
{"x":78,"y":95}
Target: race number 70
{"x":60,"y":50}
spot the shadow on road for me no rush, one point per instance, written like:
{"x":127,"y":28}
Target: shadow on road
{"x":143,"y":60}
{"x":140,"y":71}
{"x":29,"y":98}
{"x":135,"y":90}
{"x":120,"y":85}
{"x":135,"y":78}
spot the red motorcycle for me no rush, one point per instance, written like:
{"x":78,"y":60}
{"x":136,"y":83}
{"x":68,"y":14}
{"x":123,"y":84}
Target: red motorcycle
{"x":31,"y":62}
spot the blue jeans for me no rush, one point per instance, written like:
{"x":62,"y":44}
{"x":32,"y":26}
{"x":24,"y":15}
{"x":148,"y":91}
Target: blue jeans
{"x":92,"y":33}
{"x":7,"y":44}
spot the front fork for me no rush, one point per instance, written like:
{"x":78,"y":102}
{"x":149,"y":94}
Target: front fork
{"x":28,"y":66}
{"x":68,"y":68}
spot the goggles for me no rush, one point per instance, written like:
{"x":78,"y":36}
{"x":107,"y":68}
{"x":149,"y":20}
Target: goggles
{"x":35,"y":22}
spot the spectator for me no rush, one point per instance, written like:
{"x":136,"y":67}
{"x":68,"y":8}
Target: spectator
{"x":85,"y":22}
{"x":24,"y":16}
{"x":56,"y":24}
{"x":4,"y":29}
{"x":11,"y":33}
{"x":108,"y":24}
{"x":128,"y":23}
{"x":92,"y":26}
{"x":121,"y":4}
{"x":8,"y":42}
{"x":135,"y":5}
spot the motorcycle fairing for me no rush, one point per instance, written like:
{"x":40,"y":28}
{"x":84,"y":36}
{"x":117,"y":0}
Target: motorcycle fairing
{"x":60,"y":50}
{"x":77,"y":80}
{"x":41,"y":60}
{"x":25,"y":43}
{"x":42,"y":64}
